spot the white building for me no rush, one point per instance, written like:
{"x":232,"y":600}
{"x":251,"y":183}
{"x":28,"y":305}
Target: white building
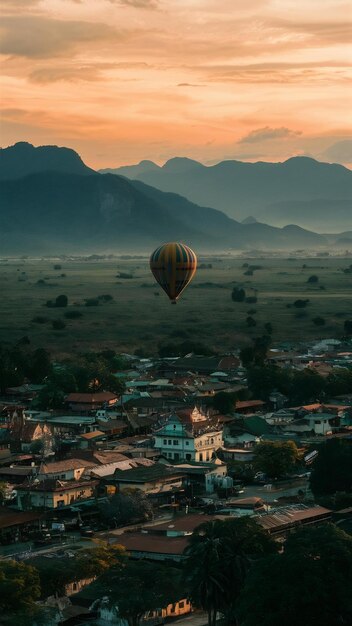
{"x":196,"y":441}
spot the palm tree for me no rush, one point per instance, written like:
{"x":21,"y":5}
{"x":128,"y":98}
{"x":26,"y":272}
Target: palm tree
{"x":219,"y":556}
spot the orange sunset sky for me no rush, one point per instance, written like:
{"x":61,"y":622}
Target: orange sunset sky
{"x":125,"y":80}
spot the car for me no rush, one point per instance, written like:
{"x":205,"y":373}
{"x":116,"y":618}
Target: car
{"x":85,"y":531}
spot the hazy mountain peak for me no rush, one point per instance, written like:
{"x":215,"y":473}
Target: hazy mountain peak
{"x":23,"y":159}
{"x":249,"y":220}
{"x":180,"y":164}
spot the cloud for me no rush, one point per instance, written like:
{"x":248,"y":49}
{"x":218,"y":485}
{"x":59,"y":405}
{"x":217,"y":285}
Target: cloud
{"x":189,"y":85}
{"x":82,"y":72}
{"x":264,"y":134}
{"x":139,"y":4}
{"x":41,"y":37}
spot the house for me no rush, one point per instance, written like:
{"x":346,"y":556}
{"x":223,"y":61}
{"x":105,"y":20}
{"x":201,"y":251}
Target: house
{"x":283,"y":521}
{"x":196,"y":441}
{"x":14,"y":525}
{"x":54,"y":494}
{"x":249,"y":406}
{"x":155,"y":480}
{"x":206,"y":475}
{"x":69,"y":469}
{"x":25,"y":431}
{"x":154,"y":547}
{"x":87,"y":402}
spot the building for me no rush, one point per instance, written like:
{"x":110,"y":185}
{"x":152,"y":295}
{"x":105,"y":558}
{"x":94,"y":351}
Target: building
{"x":54,"y":494}
{"x":69,"y":469}
{"x":198,"y":440}
{"x":87,"y":402}
{"x":156,"y":479}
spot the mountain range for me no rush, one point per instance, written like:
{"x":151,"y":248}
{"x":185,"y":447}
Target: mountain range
{"x":51,"y":202}
{"x":299,"y":191}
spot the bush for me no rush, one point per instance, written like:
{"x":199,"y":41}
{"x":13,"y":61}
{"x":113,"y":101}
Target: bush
{"x":248,"y":273}
{"x":58,"y":324}
{"x":313,"y":279}
{"x":57,"y":267}
{"x":348,"y":327}
{"x":250,"y":321}
{"x":92,"y":302}
{"x":125,"y":275}
{"x":105,"y":298}
{"x":318,"y":321}
{"x":300,"y":304}
{"x":39,"y":319}
{"x":61,"y":301}
{"x":238,"y":295}
{"x":73,"y":315}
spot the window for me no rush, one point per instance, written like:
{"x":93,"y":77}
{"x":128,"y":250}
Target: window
{"x":181,"y":604}
{"x":187,"y":443}
{"x":164,"y":442}
{"x":175,"y":442}
{"x":169,"y":442}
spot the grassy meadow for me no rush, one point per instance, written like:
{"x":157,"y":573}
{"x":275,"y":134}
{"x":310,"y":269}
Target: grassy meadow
{"x":140,"y":315}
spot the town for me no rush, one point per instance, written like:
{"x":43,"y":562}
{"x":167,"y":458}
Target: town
{"x":117,"y":470}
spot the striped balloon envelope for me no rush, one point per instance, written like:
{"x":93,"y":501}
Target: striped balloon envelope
{"x":173,"y":266}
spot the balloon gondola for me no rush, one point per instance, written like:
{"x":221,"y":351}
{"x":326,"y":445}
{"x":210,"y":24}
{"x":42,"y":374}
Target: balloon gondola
{"x":173,"y":266}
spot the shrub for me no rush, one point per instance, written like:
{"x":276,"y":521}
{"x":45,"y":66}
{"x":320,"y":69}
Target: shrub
{"x":300,"y":304}
{"x":348,"y":327}
{"x":318,"y":321}
{"x":58,"y":324}
{"x":57,"y":267}
{"x":250,"y":321}
{"x":39,"y":319}
{"x":238,"y":295}
{"x":73,"y":315}
{"x":61,"y":301}
{"x":92,"y":302}
{"x":313,"y":279}
{"x":105,"y":298}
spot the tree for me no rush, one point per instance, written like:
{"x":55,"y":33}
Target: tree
{"x":88,"y":563}
{"x":313,"y":279}
{"x":318,"y":321}
{"x":262,"y":381}
{"x":238,"y":294}
{"x":268,"y":327}
{"x":224,"y":402}
{"x":256,"y":354}
{"x":332,"y":468}
{"x":311,"y":581}
{"x":275,"y":458}
{"x":348,"y":327}
{"x":61,"y":301}
{"x":58,"y":325}
{"x":250,"y":321}
{"x":140,"y":586}
{"x":300,"y":304}
{"x":19,"y":586}
{"x":129,"y":505}
{"x":306,"y":386}
{"x":218,"y":559}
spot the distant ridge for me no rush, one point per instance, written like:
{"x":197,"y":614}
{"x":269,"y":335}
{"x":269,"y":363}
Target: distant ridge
{"x":301,"y":190}
{"x":23,"y":158}
{"x":77,"y":210}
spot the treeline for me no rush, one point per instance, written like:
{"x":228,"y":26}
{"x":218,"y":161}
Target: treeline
{"x":88,"y":372}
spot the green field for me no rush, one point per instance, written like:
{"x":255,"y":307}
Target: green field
{"x":140,"y":314}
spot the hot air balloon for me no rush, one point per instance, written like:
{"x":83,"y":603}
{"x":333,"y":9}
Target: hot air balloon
{"x":173,"y":266}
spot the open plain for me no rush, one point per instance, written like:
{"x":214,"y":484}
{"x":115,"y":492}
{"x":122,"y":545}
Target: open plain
{"x":115,"y":303}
